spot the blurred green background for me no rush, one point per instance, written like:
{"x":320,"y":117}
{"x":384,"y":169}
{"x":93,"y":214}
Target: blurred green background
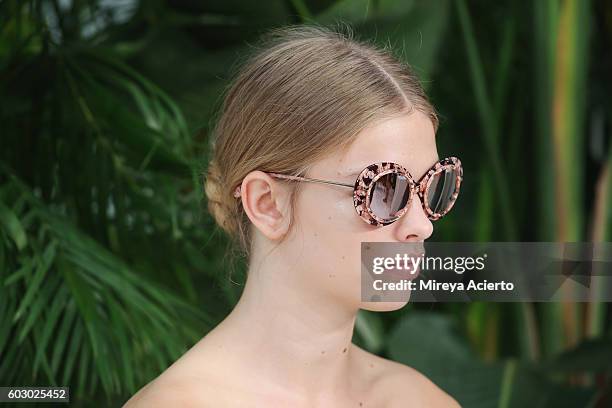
{"x":111,"y":268}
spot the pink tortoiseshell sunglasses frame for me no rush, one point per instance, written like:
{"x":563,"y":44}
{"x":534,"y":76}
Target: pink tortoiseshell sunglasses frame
{"x":366,"y":180}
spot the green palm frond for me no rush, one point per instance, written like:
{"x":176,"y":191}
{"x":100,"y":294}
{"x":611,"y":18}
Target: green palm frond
{"x":97,"y":173}
{"x":66,"y":298}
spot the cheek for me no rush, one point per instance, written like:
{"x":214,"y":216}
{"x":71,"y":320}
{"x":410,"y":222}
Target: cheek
{"x":325,"y":218}
{"x":331,"y":233}
{"x":329,"y":217}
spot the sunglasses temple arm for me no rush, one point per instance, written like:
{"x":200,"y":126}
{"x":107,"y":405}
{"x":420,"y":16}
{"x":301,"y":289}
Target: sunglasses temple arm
{"x":311,"y":180}
{"x":298,"y":178}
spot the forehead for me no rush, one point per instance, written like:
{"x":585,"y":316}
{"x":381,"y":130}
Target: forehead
{"x":408,"y":140}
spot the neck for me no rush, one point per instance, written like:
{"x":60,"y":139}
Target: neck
{"x":297,"y":338}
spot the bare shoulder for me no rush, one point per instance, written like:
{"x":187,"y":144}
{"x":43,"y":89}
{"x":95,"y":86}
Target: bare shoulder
{"x":169,"y":390}
{"x":402,"y":383}
{"x":184,"y":384}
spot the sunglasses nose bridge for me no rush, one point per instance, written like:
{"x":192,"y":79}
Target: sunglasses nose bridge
{"x":417,"y":191}
{"x":416,"y":194}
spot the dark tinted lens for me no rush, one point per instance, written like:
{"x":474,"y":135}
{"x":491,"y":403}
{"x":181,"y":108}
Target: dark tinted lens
{"x":441,"y":189}
{"x":389,"y":194}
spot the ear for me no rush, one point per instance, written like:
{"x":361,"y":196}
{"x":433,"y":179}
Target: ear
{"x":267,"y":204}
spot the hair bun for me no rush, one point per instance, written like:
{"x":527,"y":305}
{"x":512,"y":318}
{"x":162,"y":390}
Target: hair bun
{"x":219,"y":200}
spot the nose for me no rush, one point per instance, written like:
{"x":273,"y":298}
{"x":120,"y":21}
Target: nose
{"x":414,"y":226}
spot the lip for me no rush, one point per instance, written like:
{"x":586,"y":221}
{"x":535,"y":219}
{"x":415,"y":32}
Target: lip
{"x":400,"y":274}
{"x":407,"y":273}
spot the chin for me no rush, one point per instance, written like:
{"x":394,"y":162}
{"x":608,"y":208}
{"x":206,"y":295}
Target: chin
{"x":383,"y":306}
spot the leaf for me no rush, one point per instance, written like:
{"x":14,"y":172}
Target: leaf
{"x":427,"y":340}
{"x":11,"y":224}
{"x":62,"y":335}
{"x":21,"y":273}
{"x":414,"y":29}
{"x":430,"y":343}
{"x":44,"y":263}
{"x":7,"y":308}
{"x":73,"y":351}
{"x":369,"y":326}
{"x":84,"y":367}
{"x":594,"y":355}
{"x":348,"y":11}
{"x":42,"y":300}
{"x":120,"y":324}
{"x":51,"y":321}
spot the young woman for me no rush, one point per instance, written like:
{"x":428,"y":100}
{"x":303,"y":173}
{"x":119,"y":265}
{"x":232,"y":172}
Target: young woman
{"x":300,"y":176}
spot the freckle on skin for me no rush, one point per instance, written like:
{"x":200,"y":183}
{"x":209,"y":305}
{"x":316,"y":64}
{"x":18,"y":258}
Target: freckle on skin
{"x":329,"y":218}
{"x":342,"y":256}
{"x":323,"y":352}
{"x":371,"y":365}
{"x":344,"y":351}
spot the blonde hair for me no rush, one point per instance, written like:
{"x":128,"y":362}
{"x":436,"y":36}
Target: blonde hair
{"x":305,"y":92}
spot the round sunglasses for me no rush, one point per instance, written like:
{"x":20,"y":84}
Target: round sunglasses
{"x":383,"y":191}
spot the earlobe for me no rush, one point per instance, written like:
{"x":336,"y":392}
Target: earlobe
{"x":265,"y":202}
